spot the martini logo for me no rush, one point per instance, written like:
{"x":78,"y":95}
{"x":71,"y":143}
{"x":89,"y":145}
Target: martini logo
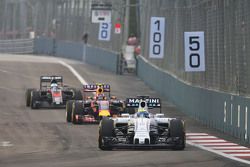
{"x":150,"y":100}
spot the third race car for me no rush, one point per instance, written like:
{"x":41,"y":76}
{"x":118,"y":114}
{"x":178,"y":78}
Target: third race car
{"x":52,"y":93}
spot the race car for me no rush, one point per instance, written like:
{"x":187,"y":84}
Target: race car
{"x":52,"y":93}
{"x":142,"y":129}
{"x":93,"y":108}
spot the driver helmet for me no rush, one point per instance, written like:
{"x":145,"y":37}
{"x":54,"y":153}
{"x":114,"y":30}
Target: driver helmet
{"x":54,"y":86}
{"x":143,"y":114}
{"x":101,"y":97}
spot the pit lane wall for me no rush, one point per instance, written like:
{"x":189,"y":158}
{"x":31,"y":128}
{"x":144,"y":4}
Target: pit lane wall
{"x":225,"y":112}
{"x":77,"y":51}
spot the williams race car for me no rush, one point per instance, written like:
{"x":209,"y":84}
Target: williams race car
{"x":142,"y":129}
{"x":93,"y":108}
{"x":52,"y":93}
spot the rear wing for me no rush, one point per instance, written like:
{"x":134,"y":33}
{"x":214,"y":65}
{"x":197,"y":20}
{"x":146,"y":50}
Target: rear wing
{"x":94,"y":87}
{"x":97,"y":88}
{"x":151,"y":102}
{"x":46,"y":80}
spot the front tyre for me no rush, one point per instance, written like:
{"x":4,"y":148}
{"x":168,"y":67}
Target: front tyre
{"x":105,"y":131}
{"x":28,"y":97}
{"x":69,"y":110}
{"x":177,"y":130}
{"x":34,"y":99}
{"x":77,"y":109}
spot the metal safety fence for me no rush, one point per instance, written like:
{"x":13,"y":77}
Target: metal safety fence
{"x":225,"y":24}
{"x":61,"y":19}
{"x":17,"y":46}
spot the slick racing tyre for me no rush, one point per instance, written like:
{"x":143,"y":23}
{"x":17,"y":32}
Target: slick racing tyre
{"x":129,"y":110}
{"x":77,"y":94}
{"x":34,"y":99}
{"x":77,"y":109}
{"x":177,"y":130}
{"x":28,"y":97}
{"x":69,"y":110}
{"x":105,"y":130}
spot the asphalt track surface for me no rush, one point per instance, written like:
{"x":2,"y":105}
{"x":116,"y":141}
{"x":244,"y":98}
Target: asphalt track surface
{"x":42,"y":137}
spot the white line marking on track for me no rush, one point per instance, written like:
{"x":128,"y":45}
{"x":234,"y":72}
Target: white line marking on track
{"x":210,"y":141}
{"x":196,"y":134}
{"x":228,"y":147}
{"x":201,"y":137}
{"x":245,"y":150}
{"x":6,"y":144}
{"x":74,"y":72}
{"x":241,"y":155}
{"x":4,"y":71}
{"x":219,"y":146}
{"x":219,"y":153}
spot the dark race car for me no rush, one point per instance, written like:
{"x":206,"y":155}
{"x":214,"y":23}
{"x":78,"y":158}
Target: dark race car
{"x":52,"y":93}
{"x":93,"y":108}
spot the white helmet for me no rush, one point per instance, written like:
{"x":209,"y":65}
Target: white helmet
{"x":54,"y":86}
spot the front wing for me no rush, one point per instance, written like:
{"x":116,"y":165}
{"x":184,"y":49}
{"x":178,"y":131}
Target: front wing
{"x":88,"y":119}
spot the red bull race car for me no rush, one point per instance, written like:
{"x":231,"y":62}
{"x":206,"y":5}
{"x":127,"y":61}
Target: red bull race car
{"x":93,"y":108}
{"x":52,"y":93}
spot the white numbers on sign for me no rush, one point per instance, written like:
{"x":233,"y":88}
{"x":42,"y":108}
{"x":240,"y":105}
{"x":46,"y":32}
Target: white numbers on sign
{"x":157,"y":32}
{"x":194,"y":51}
{"x":104,"y":31}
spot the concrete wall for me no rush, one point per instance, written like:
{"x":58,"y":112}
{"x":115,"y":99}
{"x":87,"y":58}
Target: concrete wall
{"x":225,"y":112}
{"x":76,"y":50}
{"x":67,"y":49}
{"x":101,"y":57}
{"x":43,"y":45}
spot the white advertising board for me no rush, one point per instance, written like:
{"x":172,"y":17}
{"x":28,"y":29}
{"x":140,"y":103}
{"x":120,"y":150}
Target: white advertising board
{"x":157,"y":36}
{"x":104,"y":31}
{"x":194,"y":51}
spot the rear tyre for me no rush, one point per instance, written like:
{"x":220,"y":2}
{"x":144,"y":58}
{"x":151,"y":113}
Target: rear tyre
{"x":69,"y":110}
{"x":77,"y":109}
{"x":28,"y":97}
{"x":177,"y":130}
{"x":35,"y":97}
{"x":77,"y":94}
{"x":130,"y":110}
{"x":105,"y":130}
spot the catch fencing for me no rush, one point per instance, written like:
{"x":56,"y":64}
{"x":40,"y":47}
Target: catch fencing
{"x":225,"y":24}
{"x":61,"y":19}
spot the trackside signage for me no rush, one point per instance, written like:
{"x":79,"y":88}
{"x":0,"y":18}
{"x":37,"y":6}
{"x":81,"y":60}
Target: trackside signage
{"x":157,"y":35}
{"x":104,"y":32}
{"x":194,"y":51}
